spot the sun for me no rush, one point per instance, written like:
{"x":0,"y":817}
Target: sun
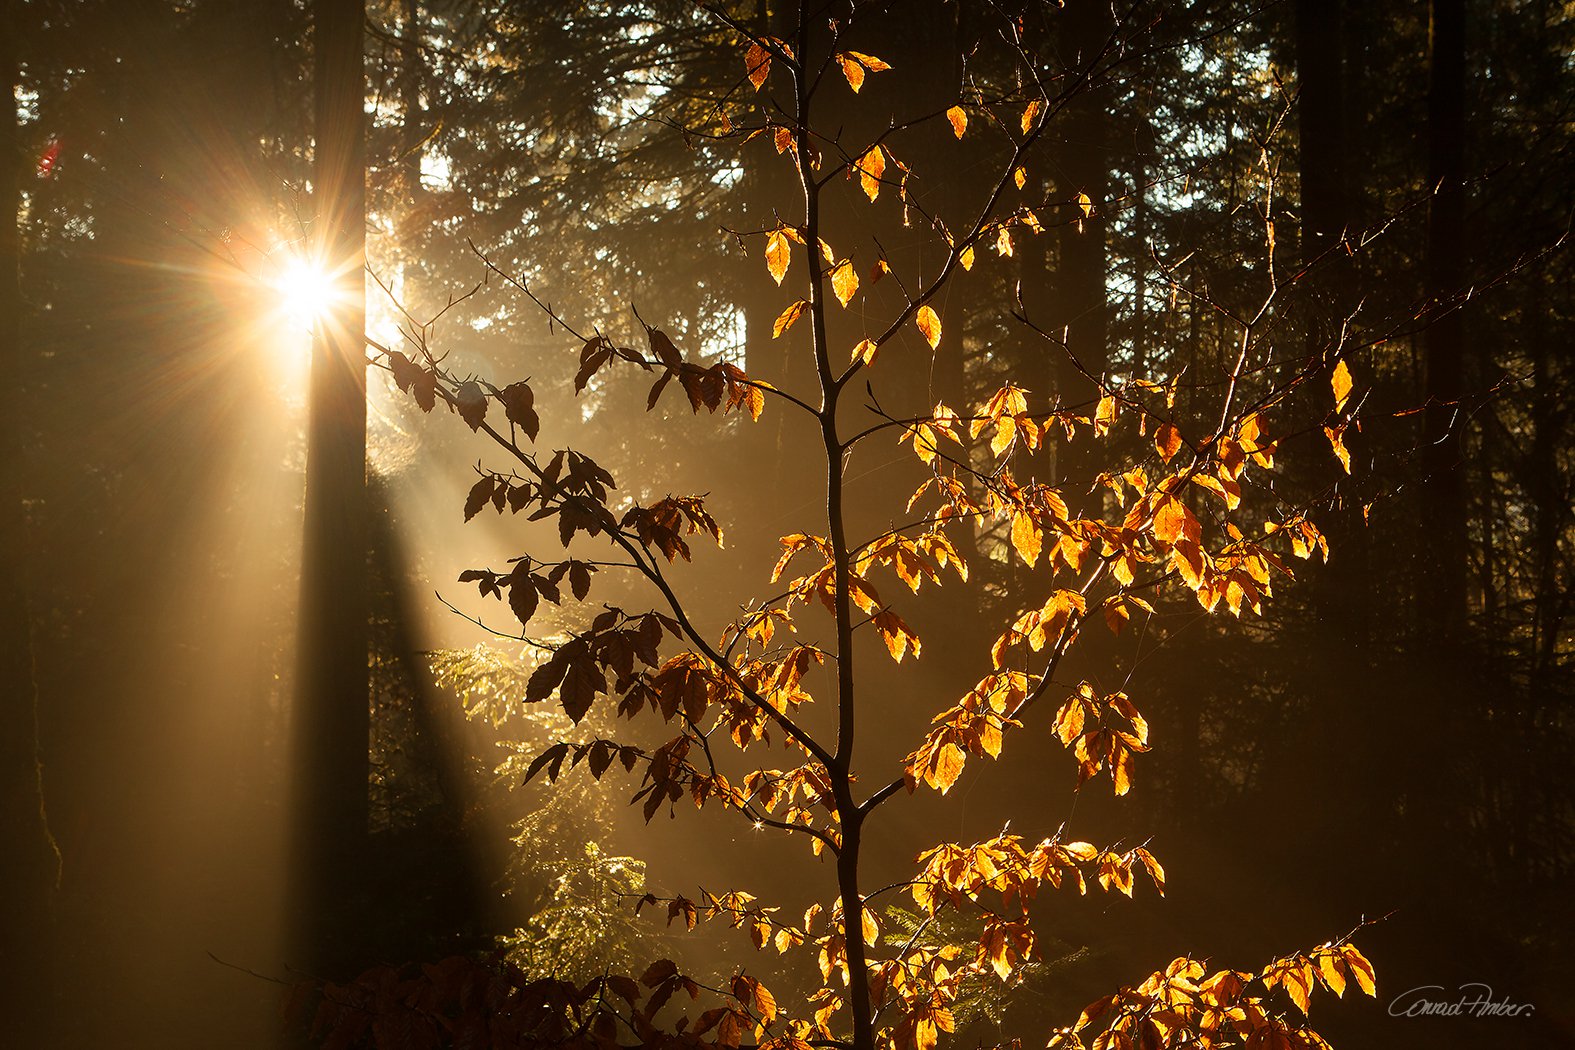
{"x":306,"y":292}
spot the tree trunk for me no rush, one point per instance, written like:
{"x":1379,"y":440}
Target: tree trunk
{"x":1081,"y":303}
{"x":331,"y":716}
{"x":1443,"y":577}
{"x":30,"y":865}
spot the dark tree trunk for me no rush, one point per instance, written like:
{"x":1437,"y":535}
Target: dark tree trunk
{"x":1443,"y":579}
{"x":331,"y":716}
{"x":29,"y":865}
{"x":1080,"y":306}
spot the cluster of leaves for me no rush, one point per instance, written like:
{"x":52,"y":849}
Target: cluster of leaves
{"x":1185,"y":1005}
{"x":1178,"y":511}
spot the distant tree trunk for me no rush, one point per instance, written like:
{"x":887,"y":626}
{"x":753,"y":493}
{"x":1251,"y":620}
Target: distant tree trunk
{"x":1320,"y":101}
{"x":29,"y":864}
{"x":1443,"y":577}
{"x":1327,"y":211}
{"x":331,"y":716}
{"x":1081,"y":305}
{"x":413,"y":218}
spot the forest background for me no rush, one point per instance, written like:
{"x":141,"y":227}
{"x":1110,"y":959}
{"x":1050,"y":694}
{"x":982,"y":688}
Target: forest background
{"x":1391,"y":737}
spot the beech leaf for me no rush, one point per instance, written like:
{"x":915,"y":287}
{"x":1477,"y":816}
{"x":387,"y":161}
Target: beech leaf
{"x":930,"y":325}
{"x":959,"y":120}
{"x":786,"y":319}
{"x":1341,"y":382}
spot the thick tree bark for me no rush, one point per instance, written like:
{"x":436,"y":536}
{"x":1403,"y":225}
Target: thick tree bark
{"x":331,"y":717}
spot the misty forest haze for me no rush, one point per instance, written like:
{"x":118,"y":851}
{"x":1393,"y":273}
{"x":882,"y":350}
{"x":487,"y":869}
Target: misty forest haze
{"x":853,"y":524}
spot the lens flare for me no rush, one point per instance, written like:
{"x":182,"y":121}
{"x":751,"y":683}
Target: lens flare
{"x":306,"y":292}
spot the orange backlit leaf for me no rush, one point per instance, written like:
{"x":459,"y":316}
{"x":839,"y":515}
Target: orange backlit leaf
{"x":866,"y":351}
{"x":1170,"y":519}
{"x":965,"y":257}
{"x":869,"y":927}
{"x":1336,"y":436}
{"x":1167,"y":441}
{"x":959,"y":120}
{"x":1026,"y":537}
{"x":1331,"y":968}
{"x":930,"y":325}
{"x":871,"y":167}
{"x":853,"y":72}
{"x":1360,"y":968}
{"x":844,"y":281}
{"x":1341,"y":382}
{"x":869,"y":62}
{"x":1155,"y":870}
{"x":757,"y":60}
{"x":1030,"y":114}
{"x":899,"y":639}
{"x":778,"y":254}
{"x":854,"y":65}
{"x":786,"y":319}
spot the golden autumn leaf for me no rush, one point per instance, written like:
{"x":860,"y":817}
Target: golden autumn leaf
{"x":782,"y":139}
{"x":1336,"y":436}
{"x":1156,"y":871}
{"x":959,"y":120}
{"x":786,"y":319}
{"x":1297,"y":981}
{"x":1030,"y":114}
{"x":757,"y":60}
{"x":1005,"y":432}
{"x":871,"y":167}
{"x":854,"y":64}
{"x":778,"y":254}
{"x":930,"y":325}
{"x":1104,"y":414}
{"x":1116,"y":615}
{"x":1020,"y":176}
{"x":1170,"y":518}
{"x":944,"y":769}
{"x":1069,"y":720}
{"x":844,"y":281}
{"x":899,"y":639}
{"x":1331,"y":967}
{"x":853,"y":72}
{"x":1121,"y":776}
{"x":1026,"y":537}
{"x":966,"y":257}
{"x":869,"y":62}
{"x":869,"y":927}
{"x":866,"y":351}
{"x":1341,"y":381}
{"x":1003,"y":241}
{"x":1085,"y":204}
{"x":1167,"y":441}
{"x":1360,"y":968}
